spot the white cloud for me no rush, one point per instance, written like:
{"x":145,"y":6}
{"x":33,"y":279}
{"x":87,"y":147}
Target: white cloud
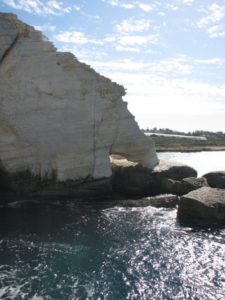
{"x":127,"y":5}
{"x":130,"y":5}
{"x":211,"y":61}
{"x":172,"y":6}
{"x":51,"y":7}
{"x":173,"y":66}
{"x":125,"y":65}
{"x":215,"y":13}
{"x":188,"y":2}
{"x":89,"y":16}
{"x":110,"y":39}
{"x":213,"y":21}
{"x":46,"y":27}
{"x":119,"y":3}
{"x":132,"y":35}
{"x":162,"y":14}
{"x":112,"y":2}
{"x":145,"y":7}
{"x":216,"y":31}
{"x":151,"y":93}
{"x":120,"y":42}
{"x":83,"y":53}
{"x":141,"y":40}
{"x":76,"y":37}
{"x":176,"y":65}
{"x":132,"y":25}
{"x":127,"y":49}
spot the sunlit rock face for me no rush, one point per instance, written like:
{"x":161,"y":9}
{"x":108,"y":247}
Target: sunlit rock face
{"x":59,"y":115}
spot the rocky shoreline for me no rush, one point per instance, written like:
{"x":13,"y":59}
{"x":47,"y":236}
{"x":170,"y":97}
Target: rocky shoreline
{"x":192,"y":149}
{"x":60,"y":121}
{"x":169,"y":184}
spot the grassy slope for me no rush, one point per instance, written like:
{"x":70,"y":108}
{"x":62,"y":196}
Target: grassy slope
{"x":164,"y":143}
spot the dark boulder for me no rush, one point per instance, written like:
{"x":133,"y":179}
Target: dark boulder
{"x":206,"y":204}
{"x":7,"y":192}
{"x":184,"y":186}
{"x":133,"y":180}
{"x":216,"y":179}
{"x":5,"y":180}
{"x":173,"y":170}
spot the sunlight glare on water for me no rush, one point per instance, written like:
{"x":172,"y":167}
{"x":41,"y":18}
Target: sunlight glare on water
{"x":203,"y":162}
{"x":99,"y":251}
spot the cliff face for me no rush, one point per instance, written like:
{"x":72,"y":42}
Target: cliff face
{"x":57,"y":114}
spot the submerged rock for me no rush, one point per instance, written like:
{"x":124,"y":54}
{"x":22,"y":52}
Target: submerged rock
{"x":216,"y":179}
{"x":58,"y":115}
{"x":206,"y":204}
{"x":168,"y":201}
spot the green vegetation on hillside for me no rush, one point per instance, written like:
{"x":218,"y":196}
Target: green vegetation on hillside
{"x":208,"y":134}
{"x":170,"y":143}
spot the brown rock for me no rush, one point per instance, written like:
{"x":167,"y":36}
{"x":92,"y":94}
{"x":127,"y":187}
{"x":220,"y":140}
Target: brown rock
{"x":133,"y":180}
{"x":216,"y":179}
{"x":173,"y":170}
{"x":184,"y":186}
{"x":206,"y":204}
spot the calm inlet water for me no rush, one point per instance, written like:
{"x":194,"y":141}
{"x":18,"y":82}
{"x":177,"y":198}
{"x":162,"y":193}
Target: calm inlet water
{"x":203,"y":162}
{"x":99,"y":251}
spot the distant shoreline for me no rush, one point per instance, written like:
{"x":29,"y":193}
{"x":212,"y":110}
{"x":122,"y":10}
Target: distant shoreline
{"x":168,"y":143}
{"x":191,"y":149}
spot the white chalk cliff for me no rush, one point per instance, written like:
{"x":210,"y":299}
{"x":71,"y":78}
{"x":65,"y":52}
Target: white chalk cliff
{"x":57,"y":114}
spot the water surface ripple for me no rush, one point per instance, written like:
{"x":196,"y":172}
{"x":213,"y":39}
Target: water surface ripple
{"x":97,"y":251}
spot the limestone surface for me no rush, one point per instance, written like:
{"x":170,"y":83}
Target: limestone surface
{"x":57,"y":115}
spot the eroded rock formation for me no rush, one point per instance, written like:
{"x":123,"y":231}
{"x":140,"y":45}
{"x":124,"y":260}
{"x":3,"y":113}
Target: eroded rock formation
{"x":132,"y":180}
{"x":59,"y":115}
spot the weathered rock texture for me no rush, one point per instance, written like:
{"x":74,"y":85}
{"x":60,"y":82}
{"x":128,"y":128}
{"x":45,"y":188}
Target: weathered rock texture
{"x":184,"y":186}
{"x":132,"y":180}
{"x":59,"y":115}
{"x":206,"y":204}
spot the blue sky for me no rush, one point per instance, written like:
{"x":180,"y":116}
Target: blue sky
{"x":169,"y":55}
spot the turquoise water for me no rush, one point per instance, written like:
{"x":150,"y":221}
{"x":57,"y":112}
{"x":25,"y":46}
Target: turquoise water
{"x":87,"y":250}
{"x":97,"y":251}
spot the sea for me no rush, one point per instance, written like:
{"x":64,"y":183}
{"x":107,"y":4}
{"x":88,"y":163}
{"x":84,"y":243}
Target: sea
{"x":79,"y":249}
